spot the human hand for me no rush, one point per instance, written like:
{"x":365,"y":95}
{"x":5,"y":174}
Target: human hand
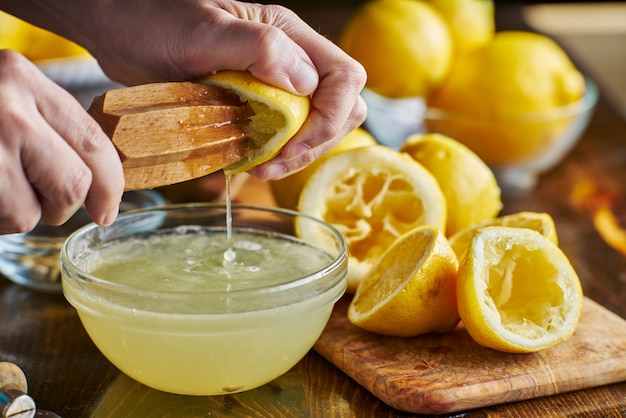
{"x":53,"y":156}
{"x":188,"y":39}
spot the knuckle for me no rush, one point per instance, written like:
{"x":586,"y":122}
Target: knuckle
{"x":16,"y":70}
{"x":9,"y":61}
{"x":15,"y":218}
{"x":269,"y":39}
{"x":91,"y":139}
{"x":359,"y":112}
{"x":18,"y":224}
{"x":67,"y":194}
{"x":273,"y":12}
{"x":328,"y":131}
{"x":352,"y":75}
{"x":78,"y":185}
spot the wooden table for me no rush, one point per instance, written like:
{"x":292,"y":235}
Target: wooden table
{"x":68,"y":375}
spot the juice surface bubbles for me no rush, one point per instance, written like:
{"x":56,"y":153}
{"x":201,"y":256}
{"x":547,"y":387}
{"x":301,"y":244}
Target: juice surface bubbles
{"x":187,"y":310}
{"x":201,"y":259}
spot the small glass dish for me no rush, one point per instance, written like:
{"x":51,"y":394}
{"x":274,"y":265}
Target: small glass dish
{"x":32,"y":259}
{"x":520,"y":147}
{"x":163,"y":298}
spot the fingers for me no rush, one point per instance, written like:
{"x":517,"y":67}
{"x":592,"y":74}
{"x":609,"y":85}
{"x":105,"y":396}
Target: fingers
{"x":19,"y":206}
{"x":53,"y":173}
{"x":96,"y":165}
{"x":337,"y":107}
{"x":246,"y":36}
{"x":53,"y":156}
{"x":190,"y":39}
{"x":279,"y":48}
{"x":314,"y":128}
{"x":274,"y":56}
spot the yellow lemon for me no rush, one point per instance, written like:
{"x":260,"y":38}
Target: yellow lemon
{"x":35,"y":43}
{"x":412,"y":288}
{"x":372,"y":195}
{"x":45,"y":45}
{"x":405,"y":46}
{"x":516,"y":291}
{"x":286,"y":191}
{"x":472,"y":22}
{"x":278,"y":115}
{"x":471,"y":190}
{"x":500,"y":99}
{"x":12,"y":33}
{"x":539,"y":221}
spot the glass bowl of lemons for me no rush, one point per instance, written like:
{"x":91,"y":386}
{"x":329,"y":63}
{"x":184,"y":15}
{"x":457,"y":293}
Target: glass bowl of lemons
{"x":518,"y":147}
{"x":519,"y":102}
{"x":184,"y":301}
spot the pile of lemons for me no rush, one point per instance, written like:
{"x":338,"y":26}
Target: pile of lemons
{"x":35,"y":43}
{"x":495,"y":91}
{"x":428,"y":249}
{"x":408,"y":47}
{"x":428,"y":246}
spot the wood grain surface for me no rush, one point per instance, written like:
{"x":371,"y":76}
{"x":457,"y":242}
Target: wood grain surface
{"x":444,"y":373}
{"x":168,"y":133}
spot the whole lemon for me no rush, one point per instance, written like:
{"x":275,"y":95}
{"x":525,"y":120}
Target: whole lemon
{"x":497,"y":99}
{"x":405,"y":46}
{"x":472,"y":22}
{"x":470,"y":188}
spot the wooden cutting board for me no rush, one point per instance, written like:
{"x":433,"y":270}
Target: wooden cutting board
{"x":436,"y":374}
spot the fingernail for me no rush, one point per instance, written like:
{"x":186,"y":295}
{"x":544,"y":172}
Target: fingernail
{"x":110,"y":217}
{"x":305,"y":78}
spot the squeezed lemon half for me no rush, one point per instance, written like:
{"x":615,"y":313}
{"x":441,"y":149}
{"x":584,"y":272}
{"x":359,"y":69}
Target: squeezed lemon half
{"x":278,"y":115}
{"x":517,"y":291}
{"x":373,"y":195}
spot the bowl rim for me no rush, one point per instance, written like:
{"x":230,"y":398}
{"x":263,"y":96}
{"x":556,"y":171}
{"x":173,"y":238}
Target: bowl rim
{"x":69,"y":267}
{"x":586,"y":103}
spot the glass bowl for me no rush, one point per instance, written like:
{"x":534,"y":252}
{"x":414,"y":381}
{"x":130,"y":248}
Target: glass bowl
{"x":175,"y":304}
{"x":518,"y":148}
{"x":32,"y":259}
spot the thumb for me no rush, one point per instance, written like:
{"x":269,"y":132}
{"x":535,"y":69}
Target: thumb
{"x":268,"y":53}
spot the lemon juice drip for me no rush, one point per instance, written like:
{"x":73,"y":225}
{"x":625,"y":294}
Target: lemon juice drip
{"x":229,"y":253}
{"x":229,"y":212}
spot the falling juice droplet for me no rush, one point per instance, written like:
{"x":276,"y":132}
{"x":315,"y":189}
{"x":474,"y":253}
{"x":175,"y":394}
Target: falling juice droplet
{"x":229,"y":254}
{"x":229,"y":214}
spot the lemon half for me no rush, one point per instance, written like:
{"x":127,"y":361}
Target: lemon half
{"x":373,"y":195}
{"x":541,"y":222}
{"x":278,"y":115}
{"x":411,"y":290}
{"x":287,"y":190}
{"x":517,"y":291}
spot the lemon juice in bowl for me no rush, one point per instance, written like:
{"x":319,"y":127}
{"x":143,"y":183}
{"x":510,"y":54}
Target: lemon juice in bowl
{"x":159,"y":298}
